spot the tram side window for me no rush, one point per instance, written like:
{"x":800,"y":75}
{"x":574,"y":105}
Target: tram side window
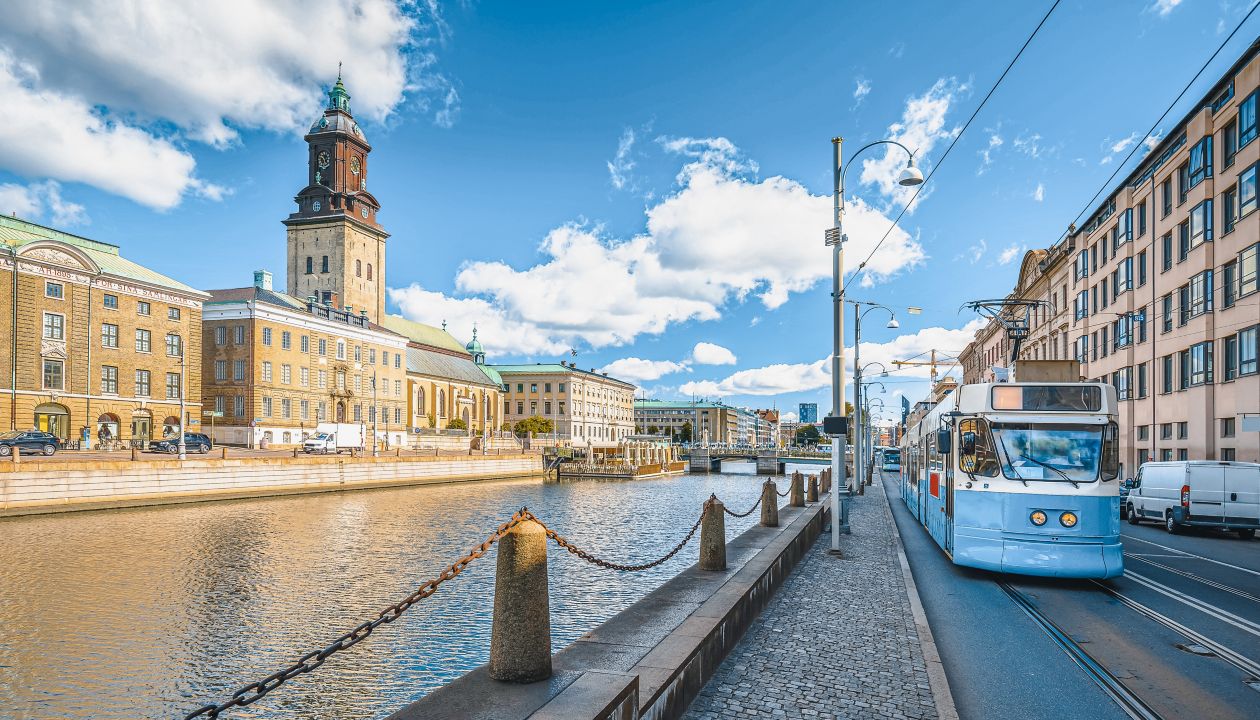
{"x":935,"y":461}
{"x":976,"y":454}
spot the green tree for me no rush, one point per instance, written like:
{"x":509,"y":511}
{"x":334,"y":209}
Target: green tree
{"x":807,"y":435}
{"x":506,"y":426}
{"x":457,"y":424}
{"x":534,"y":423}
{"x":652,"y":430}
{"x":684,"y":434}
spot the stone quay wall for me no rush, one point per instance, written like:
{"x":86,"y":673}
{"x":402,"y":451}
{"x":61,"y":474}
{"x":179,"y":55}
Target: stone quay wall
{"x":43,"y":487}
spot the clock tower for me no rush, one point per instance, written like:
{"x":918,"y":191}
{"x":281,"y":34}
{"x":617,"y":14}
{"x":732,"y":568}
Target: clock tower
{"x":336,"y":248}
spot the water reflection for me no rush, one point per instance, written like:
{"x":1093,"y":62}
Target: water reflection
{"x":146,"y":613}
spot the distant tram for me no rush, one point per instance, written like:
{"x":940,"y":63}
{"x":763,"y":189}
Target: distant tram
{"x":1019,"y":478}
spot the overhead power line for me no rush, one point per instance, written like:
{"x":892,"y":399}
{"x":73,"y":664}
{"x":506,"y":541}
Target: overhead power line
{"x":904,"y":208}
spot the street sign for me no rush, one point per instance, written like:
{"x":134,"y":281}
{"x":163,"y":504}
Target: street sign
{"x":212,"y":414}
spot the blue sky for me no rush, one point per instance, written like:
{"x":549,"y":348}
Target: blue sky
{"x":630,"y":181}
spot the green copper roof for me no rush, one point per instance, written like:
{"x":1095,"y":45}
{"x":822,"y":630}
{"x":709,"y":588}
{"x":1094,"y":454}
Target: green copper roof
{"x":492,"y":374}
{"x":678,"y":404}
{"x":553,"y":369}
{"x":338,"y":98}
{"x":16,"y":233}
{"x":423,"y":334}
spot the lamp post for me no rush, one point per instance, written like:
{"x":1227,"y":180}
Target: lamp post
{"x":183,"y":374}
{"x":909,"y":176}
{"x":375,"y":413}
{"x":858,"y":314}
{"x":864,"y":444}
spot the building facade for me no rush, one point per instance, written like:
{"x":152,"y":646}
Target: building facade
{"x":447,"y":381}
{"x":1157,"y":293}
{"x":587,"y":408}
{"x":99,"y":347}
{"x":708,"y":421}
{"x":275,"y":366}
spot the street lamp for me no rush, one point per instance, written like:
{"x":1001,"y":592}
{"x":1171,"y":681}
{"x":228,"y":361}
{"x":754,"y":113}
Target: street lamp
{"x":909,"y":177}
{"x":858,"y":314}
{"x":183,"y":374}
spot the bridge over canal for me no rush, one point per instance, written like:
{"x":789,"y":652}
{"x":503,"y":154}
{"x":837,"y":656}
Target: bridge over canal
{"x":769,"y":462}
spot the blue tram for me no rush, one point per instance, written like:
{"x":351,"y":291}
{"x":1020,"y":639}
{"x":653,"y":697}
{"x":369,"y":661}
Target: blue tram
{"x":1019,"y":478}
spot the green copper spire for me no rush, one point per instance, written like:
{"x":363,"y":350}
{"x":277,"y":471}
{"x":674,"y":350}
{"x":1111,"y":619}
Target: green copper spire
{"x":338,"y":98}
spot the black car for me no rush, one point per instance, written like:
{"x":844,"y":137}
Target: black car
{"x":193,"y":442}
{"x":30,"y":441}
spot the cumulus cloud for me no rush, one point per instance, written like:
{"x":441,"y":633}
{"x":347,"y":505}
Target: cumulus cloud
{"x":921,"y":127}
{"x":622,"y":164}
{"x":638,"y":370}
{"x":1009,"y":254}
{"x":709,"y":354}
{"x":603,"y":291}
{"x":108,"y":95}
{"x":41,"y":201}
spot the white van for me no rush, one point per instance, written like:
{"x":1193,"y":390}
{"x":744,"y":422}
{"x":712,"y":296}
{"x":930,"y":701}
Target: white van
{"x":1201,"y":493}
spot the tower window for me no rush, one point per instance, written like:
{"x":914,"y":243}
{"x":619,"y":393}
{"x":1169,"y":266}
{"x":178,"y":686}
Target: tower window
{"x":323,"y":265}
{"x":310,"y":265}
{"x":369,"y":277}
{"x":358,"y":268}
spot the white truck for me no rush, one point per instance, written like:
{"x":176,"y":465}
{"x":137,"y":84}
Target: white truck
{"x":1203,"y":493}
{"x":335,"y":437}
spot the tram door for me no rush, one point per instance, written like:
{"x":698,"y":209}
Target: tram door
{"x":949,"y":495}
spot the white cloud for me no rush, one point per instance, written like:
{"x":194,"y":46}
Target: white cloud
{"x":921,"y":127}
{"x":638,"y":369}
{"x":1039,"y":193}
{"x":788,"y":416}
{"x":1163,"y":7}
{"x":709,"y":354}
{"x":768,"y":232}
{"x":622,"y":164}
{"x":40,"y":201}
{"x":975,"y":253}
{"x":1029,"y":145}
{"x":1123,"y":143}
{"x":1009,"y":254}
{"x":986,"y":155}
{"x":107,"y":95}
{"x":860,"y":91}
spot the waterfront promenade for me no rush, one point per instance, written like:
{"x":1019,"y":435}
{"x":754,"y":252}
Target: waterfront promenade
{"x":843,"y":638}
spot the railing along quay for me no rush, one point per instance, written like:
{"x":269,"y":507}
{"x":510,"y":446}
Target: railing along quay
{"x":520,"y":638}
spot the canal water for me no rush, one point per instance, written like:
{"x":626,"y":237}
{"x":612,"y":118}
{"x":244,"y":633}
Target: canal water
{"x":152,"y":612}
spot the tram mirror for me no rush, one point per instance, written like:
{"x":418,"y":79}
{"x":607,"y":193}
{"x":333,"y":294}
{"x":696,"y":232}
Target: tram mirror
{"x":968,"y":447}
{"x":942,"y":441}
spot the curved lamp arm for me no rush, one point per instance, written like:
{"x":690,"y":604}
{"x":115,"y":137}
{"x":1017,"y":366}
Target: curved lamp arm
{"x":853,"y":157}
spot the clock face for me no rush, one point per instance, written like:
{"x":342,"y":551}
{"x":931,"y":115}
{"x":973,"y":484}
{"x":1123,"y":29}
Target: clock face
{"x":364,"y":212}
{"x":354,"y":164}
{"x":322,"y":159}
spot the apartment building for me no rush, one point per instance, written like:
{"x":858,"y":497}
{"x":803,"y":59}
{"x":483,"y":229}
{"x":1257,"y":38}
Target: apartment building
{"x":588,"y":408}
{"x":707,"y":420}
{"x":1158,"y":293}
{"x":99,"y":346}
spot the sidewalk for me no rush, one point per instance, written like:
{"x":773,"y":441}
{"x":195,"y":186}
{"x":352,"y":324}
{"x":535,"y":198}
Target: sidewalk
{"x":785,"y":666}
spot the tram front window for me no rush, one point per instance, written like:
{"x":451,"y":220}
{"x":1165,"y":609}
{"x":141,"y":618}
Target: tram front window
{"x":1054,"y":453}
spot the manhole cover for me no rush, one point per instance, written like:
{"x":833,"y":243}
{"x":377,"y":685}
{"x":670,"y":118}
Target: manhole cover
{"x":1197,"y":649}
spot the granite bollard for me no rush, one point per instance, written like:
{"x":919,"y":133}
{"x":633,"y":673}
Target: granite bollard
{"x":713,"y":536}
{"x":520,"y":635}
{"x":769,"y":504}
{"x":812,"y":494}
{"x":796,"y":497}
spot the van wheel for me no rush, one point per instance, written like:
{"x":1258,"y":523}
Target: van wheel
{"x":1132,"y":516}
{"x":1172,"y":526}
{"x":1247,"y":534}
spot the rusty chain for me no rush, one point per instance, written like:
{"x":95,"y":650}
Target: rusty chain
{"x":255,"y":691}
{"x":744,"y":514}
{"x":559,"y":540}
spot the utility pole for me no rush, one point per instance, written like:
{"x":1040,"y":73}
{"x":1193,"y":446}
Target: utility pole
{"x":375,"y":413}
{"x":835,"y":238}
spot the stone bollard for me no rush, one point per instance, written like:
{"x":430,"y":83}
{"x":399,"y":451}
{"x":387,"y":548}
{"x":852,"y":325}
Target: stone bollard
{"x":824,"y":481}
{"x":295,"y":452}
{"x":520,"y":636}
{"x":713,"y":536}
{"x":223,"y":453}
{"x":17,"y":455}
{"x":811,"y":495}
{"x":769,"y":504}
{"x":135,"y":454}
{"x":797,"y":496}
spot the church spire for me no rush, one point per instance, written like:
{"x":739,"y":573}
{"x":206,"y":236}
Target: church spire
{"x":338,"y":98}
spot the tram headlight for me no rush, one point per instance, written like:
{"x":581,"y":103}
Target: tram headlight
{"x":1038,"y":518}
{"x":1068,"y":519}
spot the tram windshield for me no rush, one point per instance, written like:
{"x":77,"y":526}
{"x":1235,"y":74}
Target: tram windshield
{"x":1054,"y":453}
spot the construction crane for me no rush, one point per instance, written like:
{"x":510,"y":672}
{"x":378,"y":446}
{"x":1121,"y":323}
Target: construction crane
{"x":934,"y":360}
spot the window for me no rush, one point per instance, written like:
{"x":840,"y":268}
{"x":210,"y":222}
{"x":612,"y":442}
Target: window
{"x":220,"y":370}
{"x":358,"y":413}
{"x":286,"y":408}
{"x":1123,"y":231}
{"x":109,"y":335}
{"x":286,"y":374}
{"x":1248,"y":350}
{"x":266,"y":406}
{"x":369,"y":272}
{"x":1247,"y":120}
{"x":1201,"y":224}
{"x":372,"y":355}
{"x":238,"y":406}
{"x":1093,"y":259}
{"x":1183,"y":431}
{"x":1166,"y":252}
{"x":304,"y":377}
{"x":286,"y":340}
{"x":1183,"y":305}
{"x":1165,"y":431}
{"x":1124,"y":277}
{"x":110,"y":301}
{"x":358,"y":353}
{"x":1229,"y":454}
{"x":54,"y":375}
{"x":1144,"y":456}
{"x":109,"y":380}
{"x":533,"y":387}
{"x":1229,"y":138}
{"x":239,"y":333}
{"x":310,"y":265}
{"x":220,"y":335}
{"x":1104,"y":294}
{"x":1081,"y":270}
{"x":1166,"y":374}
{"x":520,"y":408}
{"x":323,"y":346}
{"x":323,"y":264}
{"x":306,"y":343}
{"x":1227,"y":427}
{"x":54,"y":326}
{"x":560,"y":388}
{"x":1123,"y":381}
{"x":174,"y":345}
{"x":172,"y":313}
{"x":397,"y":360}
{"x":1165,"y":192}
{"x":323,"y":379}
{"x":1247,"y":270}
{"x":1183,"y":182}
{"x":143,"y":308}
{"x":1141,"y":219}
{"x":1183,"y":454}
{"x":1103,"y":347}
{"x":54,"y":290}
{"x":1140,"y":319}
{"x":266,"y":371}
{"x":1200,"y":363}
{"x":1200,"y":161}
{"x":520,"y":387}
{"x":219,"y":403}
{"x":341,"y":349}
{"x":1143,"y":432}
{"x":1142,"y":388}
{"x":358,"y":268}
{"x":305,"y":408}
{"x":1165,"y":455}
{"x":266,"y":336}
{"x":142,"y":383}
{"x":238,"y":370}
{"x":1081,"y":306}
{"x":1141,"y":268}
{"x":1183,"y":241}
{"x":1201,"y":293}
{"x":1246,"y":191}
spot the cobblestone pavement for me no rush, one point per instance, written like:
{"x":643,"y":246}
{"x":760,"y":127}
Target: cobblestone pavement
{"x":786,"y":667}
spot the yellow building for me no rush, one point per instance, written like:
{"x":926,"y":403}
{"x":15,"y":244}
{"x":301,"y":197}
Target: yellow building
{"x":96,"y":343}
{"x":447,"y":381}
{"x":587,"y":408}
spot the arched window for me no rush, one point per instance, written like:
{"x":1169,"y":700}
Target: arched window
{"x":369,"y":271}
{"x":441,"y":404}
{"x":358,"y":268}
{"x":419,"y":403}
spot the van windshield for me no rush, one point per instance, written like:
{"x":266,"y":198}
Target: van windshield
{"x":1055,"y":453}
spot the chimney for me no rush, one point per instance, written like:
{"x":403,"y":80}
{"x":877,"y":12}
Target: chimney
{"x":262,"y":279}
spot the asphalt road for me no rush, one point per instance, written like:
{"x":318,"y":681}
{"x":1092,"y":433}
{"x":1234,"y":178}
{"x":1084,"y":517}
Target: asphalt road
{"x":1180,"y":630}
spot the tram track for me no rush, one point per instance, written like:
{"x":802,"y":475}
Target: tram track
{"x":1126,"y":699}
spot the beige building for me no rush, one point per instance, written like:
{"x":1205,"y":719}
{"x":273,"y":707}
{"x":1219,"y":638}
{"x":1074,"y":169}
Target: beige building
{"x":1158,"y":292}
{"x":447,"y":381}
{"x":275,"y":366}
{"x":710,"y":421}
{"x":94,"y":341}
{"x":588,"y":409}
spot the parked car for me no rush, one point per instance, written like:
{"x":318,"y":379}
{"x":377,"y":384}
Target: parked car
{"x":193,"y":442}
{"x":1198,"y":493}
{"x":29,"y":441}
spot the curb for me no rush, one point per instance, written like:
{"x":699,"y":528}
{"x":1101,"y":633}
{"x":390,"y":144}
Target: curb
{"x":945,"y":708}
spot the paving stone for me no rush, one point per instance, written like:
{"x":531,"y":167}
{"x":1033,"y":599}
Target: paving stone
{"x":789,"y":666}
